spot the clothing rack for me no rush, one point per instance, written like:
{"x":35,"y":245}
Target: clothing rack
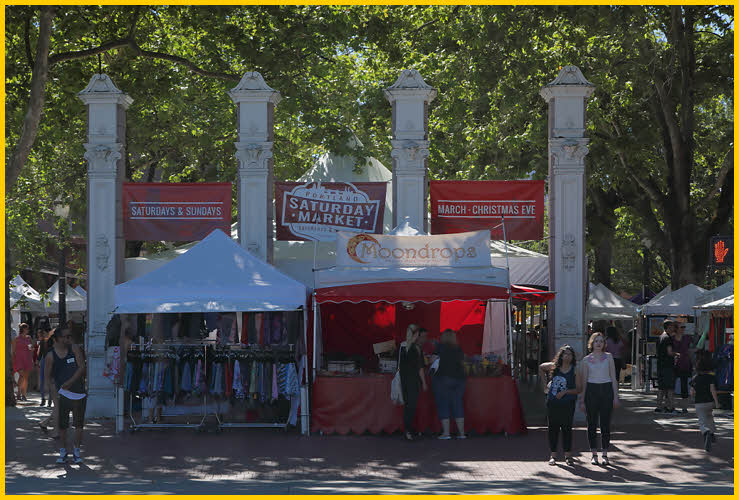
{"x":277,"y":353}
{"x":154,"y":352}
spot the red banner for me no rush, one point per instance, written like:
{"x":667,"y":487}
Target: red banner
{"x":175,"y":212}
{"x":460,"y":206}
{"x":314,"y":211}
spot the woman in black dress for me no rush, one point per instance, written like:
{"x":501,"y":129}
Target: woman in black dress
{"x":412,"y":379}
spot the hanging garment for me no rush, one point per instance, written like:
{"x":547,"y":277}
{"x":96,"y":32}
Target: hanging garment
{"x":253,"y":380}
{"x":277,"y":328}
{"x":168,"y":385}
{"x":258,"y":324}
{"x":233,"y":337}
{"x":275,"y":395}
{"x":293,"y":384}
{"x":196,"y":383}
{"x":129,"y":376}
{"x":186,"y":377}
{"x":236,"y":386}
{"x":229,"y":378}
{"x":211,"y":321}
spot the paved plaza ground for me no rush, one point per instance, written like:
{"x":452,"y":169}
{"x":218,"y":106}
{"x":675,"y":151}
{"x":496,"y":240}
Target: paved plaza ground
{"x":652,"y":453}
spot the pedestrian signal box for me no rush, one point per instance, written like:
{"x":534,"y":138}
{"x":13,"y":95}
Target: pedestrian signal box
{"x":722,"y":251}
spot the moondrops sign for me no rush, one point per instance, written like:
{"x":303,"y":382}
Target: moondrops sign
{"x":175,"y":212}
{"x":458,"y":206}
{"x":316,"y":210}
{"x":380,"y":250}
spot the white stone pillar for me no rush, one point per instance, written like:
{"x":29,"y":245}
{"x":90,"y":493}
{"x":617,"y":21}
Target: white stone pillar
{"x":410,"y":97}
{"x":255,"y":103}
{"x":106,"y":114}
{"x":567,"y":97}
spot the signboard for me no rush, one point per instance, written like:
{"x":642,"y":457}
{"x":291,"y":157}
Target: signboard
{"x":314,"y":211}
{"x":175,"y":212}
{"x":722,"y":251}
{"x":382,"y":250}
{"x":458,"y":206}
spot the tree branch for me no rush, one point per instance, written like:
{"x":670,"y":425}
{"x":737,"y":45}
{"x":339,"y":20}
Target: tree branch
{"x":185,"y":62}
{"x":80,"y":54}
{"x":728,"y":164}
{"x":35,"y":101}
{"x":29,"y":57}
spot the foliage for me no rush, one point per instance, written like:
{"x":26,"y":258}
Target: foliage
{"x":331,"y":64}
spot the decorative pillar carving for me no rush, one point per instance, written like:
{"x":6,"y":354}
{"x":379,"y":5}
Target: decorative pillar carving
{"x":255,"y":103}
{"x":410,"y":97}
{"x":567,"y":98}
{"x":105,"y":155}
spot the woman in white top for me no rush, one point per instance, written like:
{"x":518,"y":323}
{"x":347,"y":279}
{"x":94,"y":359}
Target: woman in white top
{"x":600,"y":393}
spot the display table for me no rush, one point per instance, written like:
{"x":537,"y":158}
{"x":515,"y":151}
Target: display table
{"x":362,"y":403}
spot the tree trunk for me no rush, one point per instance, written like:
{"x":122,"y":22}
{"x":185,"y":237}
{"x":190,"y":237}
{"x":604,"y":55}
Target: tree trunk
{"x":35,"y":102}
{"x":9,"y":392}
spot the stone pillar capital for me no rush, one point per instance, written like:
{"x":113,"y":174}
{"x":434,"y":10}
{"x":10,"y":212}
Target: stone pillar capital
{"x":570,"y":82}
{"x":410,"y":86}
{"x":569,"y":154}
{"x":102,"y":90}
{"x":410,"y":155}
{"x":103,"y":158}
{"x":253,"y":88}
{"x":253,"y":157}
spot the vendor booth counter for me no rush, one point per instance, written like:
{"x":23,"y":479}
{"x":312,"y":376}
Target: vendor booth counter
{"x":362,"y":404}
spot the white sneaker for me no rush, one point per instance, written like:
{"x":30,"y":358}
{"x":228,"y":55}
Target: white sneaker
{"x":62,"y":456}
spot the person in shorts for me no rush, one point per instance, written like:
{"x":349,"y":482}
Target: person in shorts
{"x":65,"y":364}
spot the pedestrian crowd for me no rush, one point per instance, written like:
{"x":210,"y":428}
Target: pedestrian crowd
{"x":594,"y":383}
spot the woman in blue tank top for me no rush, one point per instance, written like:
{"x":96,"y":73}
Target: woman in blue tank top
{"x":562,"y":391}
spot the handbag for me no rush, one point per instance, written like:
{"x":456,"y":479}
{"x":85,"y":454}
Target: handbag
{"x":396,"y":389}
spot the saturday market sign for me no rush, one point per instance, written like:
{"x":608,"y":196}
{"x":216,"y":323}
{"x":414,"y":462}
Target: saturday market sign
{"x":314,"y":211}
{"x":471,"y":249}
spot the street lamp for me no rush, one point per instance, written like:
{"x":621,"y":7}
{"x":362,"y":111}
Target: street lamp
{"x":61,"y":209}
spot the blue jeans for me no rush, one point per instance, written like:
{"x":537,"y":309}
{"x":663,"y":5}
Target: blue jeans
{"x":449,"y":394}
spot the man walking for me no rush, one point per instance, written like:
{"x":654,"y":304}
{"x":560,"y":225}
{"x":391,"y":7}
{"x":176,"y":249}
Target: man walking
{"x":65,"y":364}
{"x":666,"y":369}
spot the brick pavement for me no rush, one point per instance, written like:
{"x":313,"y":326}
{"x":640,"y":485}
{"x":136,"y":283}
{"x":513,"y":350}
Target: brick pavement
{"x":652,"y":454}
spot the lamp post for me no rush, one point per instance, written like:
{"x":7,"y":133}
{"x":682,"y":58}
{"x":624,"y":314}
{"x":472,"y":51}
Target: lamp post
{"x":61,"y":209}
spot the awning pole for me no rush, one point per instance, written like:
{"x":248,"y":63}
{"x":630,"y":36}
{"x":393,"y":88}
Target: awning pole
{"x":510,"y":334}
{"x":315,"y":335}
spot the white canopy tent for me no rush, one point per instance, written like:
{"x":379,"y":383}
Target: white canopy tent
{"x":25,"y":296}
{"x":216,"y":274}
{"x":675,"y":303}
{"x":724,"y":303}
{"x":717,"y":293}
{"x":75,"y":301}
{"x":604,"y":304}
{"x":81,"y":291}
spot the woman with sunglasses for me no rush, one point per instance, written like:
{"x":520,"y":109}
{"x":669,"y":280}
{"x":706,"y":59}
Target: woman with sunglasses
{"x":562,"y":391}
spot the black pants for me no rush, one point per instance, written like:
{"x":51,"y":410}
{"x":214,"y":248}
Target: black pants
{"x":410,"y":395}
{"x":599,"y":406}
{"x":684,"y":376}
{"x":619,"y":364}
{"x":560,"y":416}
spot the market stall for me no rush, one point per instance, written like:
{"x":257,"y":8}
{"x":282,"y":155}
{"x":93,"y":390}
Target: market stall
{"x":359,"y":306}
{"x":666,"y":304}
{"x":221,"y":330}
{"x":716,"y":325}
{"x":24,"y":300}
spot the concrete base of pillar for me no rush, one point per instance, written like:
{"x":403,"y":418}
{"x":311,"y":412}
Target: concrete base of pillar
{"x":101,"y":403}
